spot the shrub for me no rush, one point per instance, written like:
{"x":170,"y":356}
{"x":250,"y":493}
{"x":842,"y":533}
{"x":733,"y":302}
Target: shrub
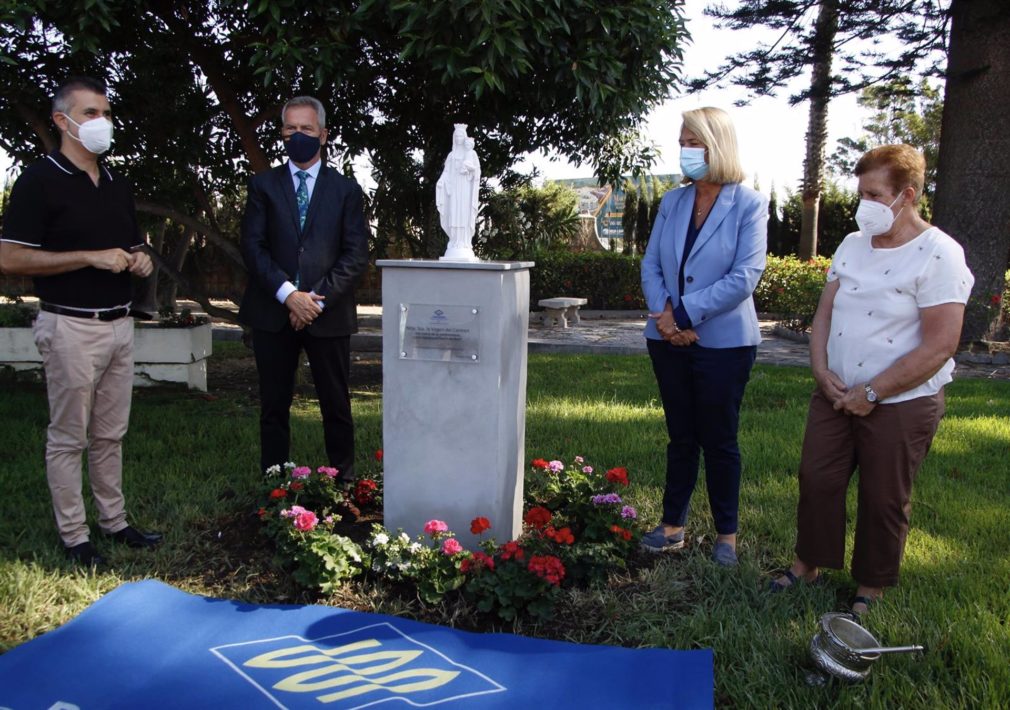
{"x":517,"y":222}
{"x":605,"y":279}
{"x":790,"y":288}
{"x":16,"y":314}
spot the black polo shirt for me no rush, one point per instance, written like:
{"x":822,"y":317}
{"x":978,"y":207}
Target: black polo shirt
{"x":55,"y":206}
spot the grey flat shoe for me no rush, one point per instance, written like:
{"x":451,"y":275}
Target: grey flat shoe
{"x":656,"y":541}
{"x":724,"y":555}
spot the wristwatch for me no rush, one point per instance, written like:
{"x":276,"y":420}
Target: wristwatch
{"x":871,"y":396}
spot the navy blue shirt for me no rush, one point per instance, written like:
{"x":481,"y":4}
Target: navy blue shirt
{"x":679,"y":312}
{"x":55,"y":206}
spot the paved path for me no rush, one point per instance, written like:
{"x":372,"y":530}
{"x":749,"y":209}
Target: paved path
{"x":620,"y":333}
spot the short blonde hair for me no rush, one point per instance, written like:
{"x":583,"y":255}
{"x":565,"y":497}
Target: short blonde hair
{"x":904,"y":164}
{"x":715,"y":130}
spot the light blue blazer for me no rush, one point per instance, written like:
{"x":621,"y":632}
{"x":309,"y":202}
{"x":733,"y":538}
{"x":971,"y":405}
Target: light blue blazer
{"x":722,"y":269}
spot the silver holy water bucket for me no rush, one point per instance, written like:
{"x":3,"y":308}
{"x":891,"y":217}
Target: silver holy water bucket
{"x":844,"y":649}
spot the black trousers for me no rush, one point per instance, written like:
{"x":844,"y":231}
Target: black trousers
{"x":702,"y":389}
{"x":277,"y":356}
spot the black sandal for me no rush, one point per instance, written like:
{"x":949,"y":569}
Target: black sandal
{"x":774,"y":586}
{"x":868,"y":602}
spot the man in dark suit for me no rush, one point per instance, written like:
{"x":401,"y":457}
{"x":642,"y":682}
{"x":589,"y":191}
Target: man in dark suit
{"x":304,"y":242}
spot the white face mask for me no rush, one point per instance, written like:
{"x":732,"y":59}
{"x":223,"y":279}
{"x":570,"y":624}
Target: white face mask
{"x":875,"y":218}
{"x":95,"y":135}
{"x":692,"y":163}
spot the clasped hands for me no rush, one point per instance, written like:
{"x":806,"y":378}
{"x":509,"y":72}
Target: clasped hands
{"x":119,"y":260}
{"x":303,"y":308}
{"x":851,"y":401}
{"x":667,"y":327}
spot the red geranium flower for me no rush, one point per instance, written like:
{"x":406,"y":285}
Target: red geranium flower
{"x":364,"y":491}
{"x":511,"y":549}
{"x":278,"y":493}
{"x":479,"y":525}
{"x":537,"y":517}
{"x":378,"y":454}
{"x":547,"y":567}
{"x":995,"y":299}
{"x":479,"y":560}
{"x":296,"y":486}
{"x":620,"y":532}
{"x":539,"y":463}
{"x":261,"y":512}
{"x":618,"y":475}
{"x":562,"y":537}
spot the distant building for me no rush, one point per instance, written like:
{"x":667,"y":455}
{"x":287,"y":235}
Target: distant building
{"x":606,"y":203}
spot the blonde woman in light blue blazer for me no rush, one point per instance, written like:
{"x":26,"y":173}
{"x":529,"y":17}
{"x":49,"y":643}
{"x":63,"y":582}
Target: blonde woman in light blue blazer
{"x":704,"y":259}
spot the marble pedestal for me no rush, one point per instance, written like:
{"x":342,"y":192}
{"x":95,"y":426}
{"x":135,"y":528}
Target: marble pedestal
{"x":454,"y":394}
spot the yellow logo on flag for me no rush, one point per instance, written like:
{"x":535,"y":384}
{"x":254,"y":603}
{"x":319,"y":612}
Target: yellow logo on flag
{"x":362,"y":667}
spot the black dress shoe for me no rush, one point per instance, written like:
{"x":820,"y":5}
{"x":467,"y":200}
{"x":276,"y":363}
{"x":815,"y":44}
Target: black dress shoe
{"x":134,"y":538}
{"x":85,"y":554}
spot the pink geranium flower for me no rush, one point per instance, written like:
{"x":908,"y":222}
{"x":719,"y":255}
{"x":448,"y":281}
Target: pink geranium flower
{"x":301,"y":472}
{"x":306,"y":520}
{"x":292,"y":512}
{"x":451,"y":546}
{"x":556,"y":466}
{"x":328,"y":471}
{"x":435,"y":526}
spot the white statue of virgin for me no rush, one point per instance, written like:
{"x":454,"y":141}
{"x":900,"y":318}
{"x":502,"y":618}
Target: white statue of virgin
{"x":456,"y":196}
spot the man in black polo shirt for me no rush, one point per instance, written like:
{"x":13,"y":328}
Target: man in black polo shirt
{"x":70,"y":224}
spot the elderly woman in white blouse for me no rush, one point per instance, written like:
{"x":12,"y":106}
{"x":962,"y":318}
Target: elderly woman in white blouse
{"x":886,"y":327}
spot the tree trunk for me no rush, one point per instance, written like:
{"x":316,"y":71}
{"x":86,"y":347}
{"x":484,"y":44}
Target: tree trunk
{"x":817,"y":127}
{"x":973,"y":173}
{"x":146,"y":293}
{"x":175,"y":260}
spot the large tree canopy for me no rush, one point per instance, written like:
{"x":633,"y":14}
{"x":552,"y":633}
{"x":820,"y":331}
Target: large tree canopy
{"x":197,"y":87}
{"x":839,"y":42}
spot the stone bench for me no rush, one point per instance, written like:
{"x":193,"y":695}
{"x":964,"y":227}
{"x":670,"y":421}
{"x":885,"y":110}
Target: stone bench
{"x":558,"y":311}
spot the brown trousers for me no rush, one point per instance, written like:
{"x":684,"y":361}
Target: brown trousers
{"x":89,"y":380}
{"x":888,"y":447}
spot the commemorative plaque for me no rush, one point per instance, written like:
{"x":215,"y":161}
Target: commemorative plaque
{"x":440,"y":333}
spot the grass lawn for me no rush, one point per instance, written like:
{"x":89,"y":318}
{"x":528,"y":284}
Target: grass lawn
{"x":190,"y":470}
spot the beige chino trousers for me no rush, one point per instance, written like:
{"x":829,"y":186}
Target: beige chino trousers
{"x":89,"y":379}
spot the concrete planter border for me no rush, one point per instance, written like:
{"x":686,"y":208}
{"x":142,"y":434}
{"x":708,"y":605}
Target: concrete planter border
{"x":161,"y":355}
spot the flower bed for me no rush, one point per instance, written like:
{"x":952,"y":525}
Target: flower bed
{"x":577,"y":529}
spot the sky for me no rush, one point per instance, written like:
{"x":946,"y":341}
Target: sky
{"x":771,"y":133}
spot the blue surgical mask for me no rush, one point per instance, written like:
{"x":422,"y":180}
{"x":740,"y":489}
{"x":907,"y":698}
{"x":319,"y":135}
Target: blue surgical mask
{"x":692,"y":163}
{"x":301,"y":147}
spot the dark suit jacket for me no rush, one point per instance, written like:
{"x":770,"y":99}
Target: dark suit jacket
{"x":328,"y":255}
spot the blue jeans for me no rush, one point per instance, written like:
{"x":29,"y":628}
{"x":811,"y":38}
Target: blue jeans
{"x":702,"y":389}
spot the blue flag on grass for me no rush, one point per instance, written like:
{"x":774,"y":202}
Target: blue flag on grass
{"x":147,"y":645}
